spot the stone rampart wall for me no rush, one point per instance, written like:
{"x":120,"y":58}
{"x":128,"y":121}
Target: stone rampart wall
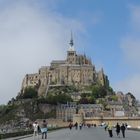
{"x":134,"y":122}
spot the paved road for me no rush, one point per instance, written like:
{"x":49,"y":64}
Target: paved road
{"x":86,"y":134}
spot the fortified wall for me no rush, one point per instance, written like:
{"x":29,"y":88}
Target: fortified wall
{"x":134,"y":122}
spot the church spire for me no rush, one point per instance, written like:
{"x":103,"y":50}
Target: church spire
{"x":71,"y":40}
{"x":71,"y":47}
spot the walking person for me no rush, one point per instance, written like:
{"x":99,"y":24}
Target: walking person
{"x":76,"y":125}
{"x":118,"y":128}
{"x":35,"y":127}
{"x":123,"y":130}
{"x":70,"y":126}
{"x":106,"y":126}
{"x":44,"y":129}
{"x":80,"y":126}
{"x":110,"y":130}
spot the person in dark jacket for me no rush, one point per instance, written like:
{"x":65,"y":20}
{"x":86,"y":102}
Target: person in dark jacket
{"x":76,"y":125}
{"x":123,"y":130}
{"x":118,"y":128}
{"x":70,"y":126}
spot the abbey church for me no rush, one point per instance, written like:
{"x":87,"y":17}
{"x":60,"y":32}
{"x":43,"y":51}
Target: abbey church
{"x":75,"y":70}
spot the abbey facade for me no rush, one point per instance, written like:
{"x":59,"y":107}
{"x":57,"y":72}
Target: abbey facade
{"x":75,"y":70}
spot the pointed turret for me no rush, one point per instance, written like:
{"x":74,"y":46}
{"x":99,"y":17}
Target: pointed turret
{"x":71,"y":40}
{"x":71,"y":48}
{"x":71,"y":53}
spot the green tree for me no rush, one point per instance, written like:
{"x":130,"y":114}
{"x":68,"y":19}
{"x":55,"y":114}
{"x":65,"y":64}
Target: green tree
{"x":131,"y":95}
{"x":92,"y":100}
{"x":63,"y":98}
{"x":103,"y":102}
{"x":30,"y":92}
{"x":85,"y":95}
{"x":59,"y":98}
{"x":87,"y":98}
{"x":83,"y":100}
{"x":99,"y":91}
{"x":113,"y":98}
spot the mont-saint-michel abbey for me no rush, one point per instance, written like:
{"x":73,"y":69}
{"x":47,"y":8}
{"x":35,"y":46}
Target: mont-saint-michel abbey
{"x":76,"y":70}
{"x":69,"y":90}
{"x":92,"y":94}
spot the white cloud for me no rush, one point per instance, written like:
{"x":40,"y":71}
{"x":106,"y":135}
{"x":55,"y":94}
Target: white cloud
{"x":130,"y":45}
{"x":131,"y":48}
{"x":130,"y":84}
{"x":30,"y":39}
{"x":135,"y":16}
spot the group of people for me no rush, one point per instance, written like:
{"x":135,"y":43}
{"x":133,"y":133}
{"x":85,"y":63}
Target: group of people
{"x":43,"y":128}
{"x":75,"y":125}
{"x":119,"y":128}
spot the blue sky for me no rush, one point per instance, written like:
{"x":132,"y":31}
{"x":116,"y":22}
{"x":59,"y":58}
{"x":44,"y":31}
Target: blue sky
{"x":35,"y":32}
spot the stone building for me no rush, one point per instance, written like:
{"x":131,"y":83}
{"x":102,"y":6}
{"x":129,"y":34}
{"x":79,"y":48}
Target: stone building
{"x":66,"y":111}
{"x":116,"y":108}
{"x":90,"y":110}
{"x":74,"y":70}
